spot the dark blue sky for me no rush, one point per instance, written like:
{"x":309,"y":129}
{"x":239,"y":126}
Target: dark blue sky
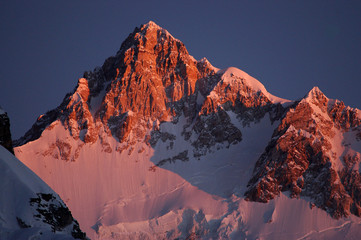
{"x":290,"y":46}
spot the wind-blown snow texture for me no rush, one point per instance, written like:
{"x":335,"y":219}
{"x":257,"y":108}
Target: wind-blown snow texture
{"x":155,"y":144}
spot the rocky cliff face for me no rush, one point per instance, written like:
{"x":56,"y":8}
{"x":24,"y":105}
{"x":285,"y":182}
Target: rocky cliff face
{"x":149,"y":81}
{"x":5,"y":134}
{"x":154,"y":103}
{"x":153,"y":79}
{"x":308,"y":156}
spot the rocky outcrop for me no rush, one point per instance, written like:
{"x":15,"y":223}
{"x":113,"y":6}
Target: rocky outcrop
{"x":149,"y":80}
{"x":154,"y":79}
{"x":54,"y":213}
{"x":76,"y":115}
{"x":230,"y":91}
{"x":303,"y":157}
{"x":5,"y":134}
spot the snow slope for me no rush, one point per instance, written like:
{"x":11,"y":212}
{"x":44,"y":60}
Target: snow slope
{"x":21,"y":217}
{"x":125,"y":195}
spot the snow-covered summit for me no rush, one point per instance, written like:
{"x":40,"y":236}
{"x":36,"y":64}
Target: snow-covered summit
{"x":232,"y":74}
{"x":315,"y":94}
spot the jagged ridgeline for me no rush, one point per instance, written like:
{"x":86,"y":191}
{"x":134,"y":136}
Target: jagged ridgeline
{"x":156,"y":144}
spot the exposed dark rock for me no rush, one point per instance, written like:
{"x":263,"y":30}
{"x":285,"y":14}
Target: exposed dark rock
{"x":38,"y":127}
{"x":21,"y":223}
{"x":212,"y":129}
{"x":183,"y":156}
{"x":51,"y":211}
{"x":5,"y":134}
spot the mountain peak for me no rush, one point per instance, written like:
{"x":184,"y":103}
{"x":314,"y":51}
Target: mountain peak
{"x":232,"y":74}
{"x":158,"y":122}
{"x":315,"y":93}
{"x":148,"y":36}
{"x":150,"y":24}
{"x":316,"y":97}
{"x":153,"y":30}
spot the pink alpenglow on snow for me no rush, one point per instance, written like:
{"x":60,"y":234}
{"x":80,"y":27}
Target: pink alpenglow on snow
{"x":157,"y":145}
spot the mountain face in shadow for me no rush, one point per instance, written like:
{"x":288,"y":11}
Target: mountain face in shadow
{"x":155,"y":144}
{"x":5,"y":134}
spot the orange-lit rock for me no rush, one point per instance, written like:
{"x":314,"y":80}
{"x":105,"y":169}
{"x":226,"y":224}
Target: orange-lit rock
{"x":301,"y":158}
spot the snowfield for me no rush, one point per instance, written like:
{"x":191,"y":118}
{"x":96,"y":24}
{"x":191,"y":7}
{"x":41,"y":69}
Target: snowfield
{"x":125,"y":195}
